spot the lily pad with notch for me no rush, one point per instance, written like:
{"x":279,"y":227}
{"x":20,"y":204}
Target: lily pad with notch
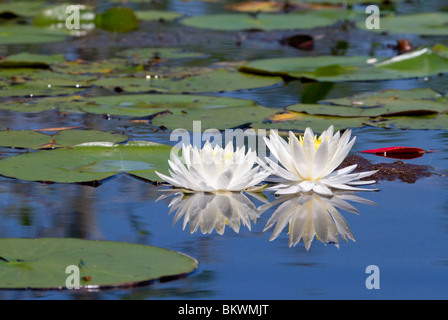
{"x":42,"y":264}
{"x":89,"y":162}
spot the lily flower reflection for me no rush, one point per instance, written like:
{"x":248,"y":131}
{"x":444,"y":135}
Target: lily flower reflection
{"x":311,"y":214}
{"x":209,"y":211}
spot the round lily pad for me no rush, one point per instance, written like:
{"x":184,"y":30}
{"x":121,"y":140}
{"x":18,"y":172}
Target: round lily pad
{"x":263,"y":21}
{"x":423,"y":62}
{"x":30,"y":139}
{"x":207,"y":81}
{"x":30,"y":34}
{"x":153,"y":15}
{"x":66,"y":263}
{"x":138,"y":105}
{"x":425,"y":23}
{"x":89,"y":162}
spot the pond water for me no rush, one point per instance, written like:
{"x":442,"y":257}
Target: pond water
{"x":404,"y":234}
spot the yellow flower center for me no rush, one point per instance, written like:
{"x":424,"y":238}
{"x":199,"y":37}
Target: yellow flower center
{"x":317,"y":141}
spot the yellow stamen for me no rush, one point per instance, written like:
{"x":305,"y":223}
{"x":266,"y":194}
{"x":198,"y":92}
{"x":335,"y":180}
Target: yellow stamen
{"x":317,"y":141}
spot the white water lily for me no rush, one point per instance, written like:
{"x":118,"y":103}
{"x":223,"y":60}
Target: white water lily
{"x":310,"y":163}
{"x":215,"y":169}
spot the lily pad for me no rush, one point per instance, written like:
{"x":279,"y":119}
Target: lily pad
{"x":29,"y":34}
{"x":384,"y":103}
{"x":143,"y":55}
{"x":38,"y":82}
{"x":425,"y":23}
{"x":268,"y":22}
{"x":206,"y":81}
{"x":117,"y":20}
{"x":89,"y":162}
{"x":298,"y":121}
{"x":217,"y":118}
{"x":28,"y":60}
{"x":30,"y":139}
{"x":32,"y":105}
{"x":420,"y":63}
{"x":156,"y":15}
{"x":21,"y":8}
{"x":42,"y":264}
{"x":139,"y":105}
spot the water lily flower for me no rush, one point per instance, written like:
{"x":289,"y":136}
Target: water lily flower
{"x":310,"y":162}
{"x":310,"y":214}
{"x":215,"y":169}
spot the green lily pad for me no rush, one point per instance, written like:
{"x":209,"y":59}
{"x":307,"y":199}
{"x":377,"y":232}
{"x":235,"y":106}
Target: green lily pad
{"x":38,"y":82}
{"x":12,"y":34}
{"x":420,"y":63}
{"x":143,"y":55}
{"x":385,"y":103}
{"x":29,"y":60}
{"x":139,"y":105}
{"x":297,"y":121}
{"x":89,"y":162}
{"x":22,"y":8}
{"x":98,"y":67}
{"x":263,"y":21}
{"x":217,"y":118}
{"x":426,"y":23}
{"x":154,"y":15}
{"x":407,"y":109}
{"x":42,"y":264}
{"x":36,"y":140}
{"x":117,"y":20}
{"x":72,"y":103}
{"x":430,"y":122}
{"x":208,"y":80}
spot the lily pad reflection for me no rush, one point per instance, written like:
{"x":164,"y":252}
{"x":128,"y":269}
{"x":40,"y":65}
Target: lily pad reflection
{"x":310,"y":214}
{"x":212,"y":211}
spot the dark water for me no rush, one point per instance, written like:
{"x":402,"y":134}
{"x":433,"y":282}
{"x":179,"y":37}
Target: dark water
{"x":404,"y":235}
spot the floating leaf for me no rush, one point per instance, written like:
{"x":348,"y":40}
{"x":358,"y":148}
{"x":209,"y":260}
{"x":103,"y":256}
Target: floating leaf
{"x":206,"y":81}
{"x":153,"y":15}
{"x":139,"y":105}
{"x":145,"y":55}
{"x":31,"y":139}
{"x":420,"y":63}
{"x":425,"y":23}
{"x":21,"y":8}
{"x":264,"y":21}
{"x":30,"y":34}
{"x":42,"y":264}
{"x":220,"y":118}
{"x":117,"y":20}
{"x":28,"y":60}
{"x":89,"y":162}
{"x":298,"y":121}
